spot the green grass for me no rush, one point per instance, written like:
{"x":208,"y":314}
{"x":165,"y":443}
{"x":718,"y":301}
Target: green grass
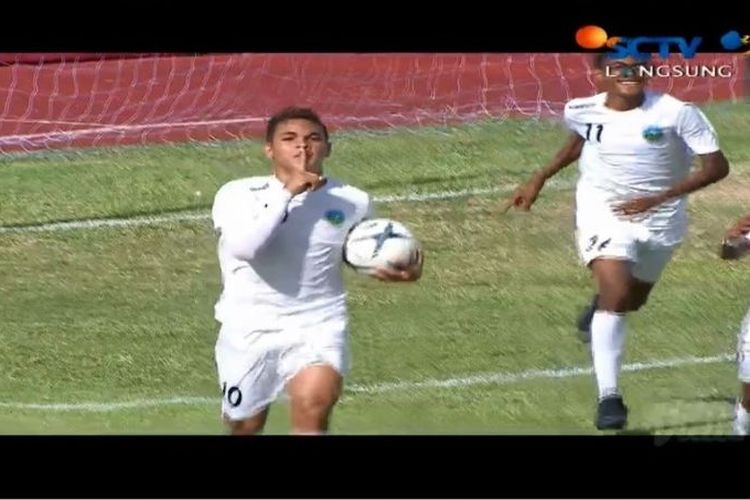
{"x":122,"y":314}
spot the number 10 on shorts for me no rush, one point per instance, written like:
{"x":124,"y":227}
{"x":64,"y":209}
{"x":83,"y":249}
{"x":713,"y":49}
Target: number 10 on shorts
{"x":233,"y":394}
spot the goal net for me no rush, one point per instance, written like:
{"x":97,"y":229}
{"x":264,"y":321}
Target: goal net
{"x":61,"y":101}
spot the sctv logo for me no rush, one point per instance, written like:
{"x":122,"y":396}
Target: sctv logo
{"x":625,"y":47}
{"x":640,"y":47}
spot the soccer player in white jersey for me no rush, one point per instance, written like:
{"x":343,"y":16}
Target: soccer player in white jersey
{"x":636,"y":148}
{"x":736,"y":244}
{"x":283,"y":308}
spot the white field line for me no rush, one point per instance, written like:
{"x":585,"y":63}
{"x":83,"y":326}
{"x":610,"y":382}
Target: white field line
{"x":193,"y":215}
{"x":509,"y":378}
{"x":498,"y":378}
{"x":478,"y":379}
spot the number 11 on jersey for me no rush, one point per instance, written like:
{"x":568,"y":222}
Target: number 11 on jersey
{"x":599,"y":128}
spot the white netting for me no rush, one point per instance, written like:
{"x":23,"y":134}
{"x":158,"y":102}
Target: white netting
{"x":61,"y":101}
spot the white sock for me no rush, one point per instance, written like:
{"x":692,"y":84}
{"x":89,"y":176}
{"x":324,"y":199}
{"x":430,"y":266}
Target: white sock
{"x":607,"y":343}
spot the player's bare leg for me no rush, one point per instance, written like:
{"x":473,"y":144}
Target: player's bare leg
{"x":313,"y":392}
{"x":615,"y":283}
{"x":249,"y":426}
{"x":618,"y":295}
{"x":639,"y":293}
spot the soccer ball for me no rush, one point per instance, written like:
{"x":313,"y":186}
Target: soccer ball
{"x":379,"y":243}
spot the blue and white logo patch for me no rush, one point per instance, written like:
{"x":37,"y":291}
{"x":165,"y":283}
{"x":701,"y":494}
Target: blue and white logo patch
{"x":335,"y":217}
{"x":652,"y":133}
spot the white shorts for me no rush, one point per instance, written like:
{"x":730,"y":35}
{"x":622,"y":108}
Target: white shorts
{"x":627,"y":241}
{"x":255,"y":366}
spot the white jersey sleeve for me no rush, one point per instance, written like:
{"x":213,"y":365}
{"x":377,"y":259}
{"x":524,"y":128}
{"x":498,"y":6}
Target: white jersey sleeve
{"x":577,"y":112}
{"x":569,"y":120}
{"x":695,"y":129}
{"x":247,"y":217}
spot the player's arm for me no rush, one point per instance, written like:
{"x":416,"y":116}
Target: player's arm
{"x":699,"y":135}
{"x":248,"y":223}
{"x":569,"y":153}
{"x":525,"y":195}
{"x":251,"y":219}
{"x":412,"y":272}
{"x":714,"y":167}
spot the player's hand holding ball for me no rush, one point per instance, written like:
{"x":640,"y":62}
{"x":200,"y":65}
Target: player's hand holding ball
{"x":402,"y":272}
{"x":384,"y":249}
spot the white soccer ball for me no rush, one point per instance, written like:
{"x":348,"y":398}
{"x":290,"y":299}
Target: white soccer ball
{"x":379,"y":243}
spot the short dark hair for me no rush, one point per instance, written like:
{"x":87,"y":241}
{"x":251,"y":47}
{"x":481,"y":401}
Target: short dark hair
{"x":293,"y":113}
{"x":600,"y":59}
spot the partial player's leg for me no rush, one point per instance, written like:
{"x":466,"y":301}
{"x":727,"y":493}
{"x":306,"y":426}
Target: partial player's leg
{"x":584,"y":319}
{"x":639,"y":294}
{"x":249,"y":379}
{"x":614,"y":281}
{"x":314,"y":367}
{"x":313,"y":392}
{"x":646,"y":272}
{"x":610,"y":249}
{"x":597,"y":239}
{"x":248,"y":426}
{"x":652,"y":260}
{"x":624,"y":285}
{"x":742,"y":410}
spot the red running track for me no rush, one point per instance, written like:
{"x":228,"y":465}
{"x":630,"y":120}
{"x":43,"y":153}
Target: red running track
{"x":58,"y":102}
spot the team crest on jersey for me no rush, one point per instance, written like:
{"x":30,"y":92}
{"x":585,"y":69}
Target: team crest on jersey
{"x":652,"y":133}
{"x":335,"y":217}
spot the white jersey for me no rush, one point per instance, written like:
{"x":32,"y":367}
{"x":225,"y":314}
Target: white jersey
{"x":638,"y":152}
{"x":280,"y":256}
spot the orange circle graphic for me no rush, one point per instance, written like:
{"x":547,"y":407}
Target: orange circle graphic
{"x":591,"y":37}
